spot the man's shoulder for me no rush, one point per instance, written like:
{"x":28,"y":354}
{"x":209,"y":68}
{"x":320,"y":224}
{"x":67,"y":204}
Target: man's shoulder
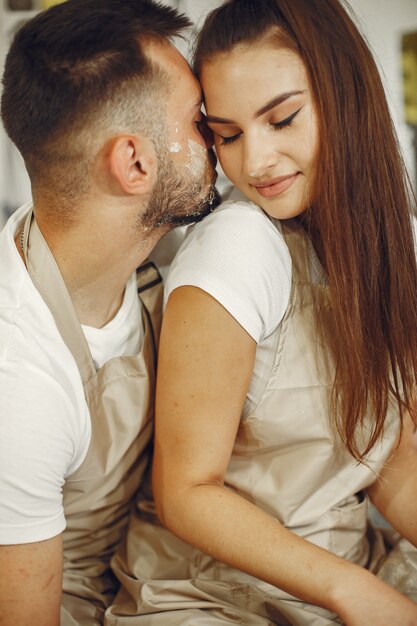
{"x":30,"y":352}
{"x":31,"y":349}
{"x":29,"y":338}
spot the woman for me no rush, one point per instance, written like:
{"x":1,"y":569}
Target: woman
{"x":287,"y":367}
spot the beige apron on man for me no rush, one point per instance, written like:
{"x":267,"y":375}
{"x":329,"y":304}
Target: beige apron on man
{"x":286,"y":460}
{"x":120,"y":396}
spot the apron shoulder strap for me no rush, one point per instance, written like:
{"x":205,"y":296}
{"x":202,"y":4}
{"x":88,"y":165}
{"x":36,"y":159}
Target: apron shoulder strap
{"x":150,"y":291}
{"x":47,"y":279}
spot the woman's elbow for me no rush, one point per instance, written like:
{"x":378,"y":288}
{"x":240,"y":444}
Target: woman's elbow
{"x":167,"y":498}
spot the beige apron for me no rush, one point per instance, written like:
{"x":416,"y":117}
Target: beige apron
{"x":120,"y":396}
{"x":286,"y":460}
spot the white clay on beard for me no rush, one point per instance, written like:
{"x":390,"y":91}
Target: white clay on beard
{"x":175,"y":147}
{"x":198,"y":157}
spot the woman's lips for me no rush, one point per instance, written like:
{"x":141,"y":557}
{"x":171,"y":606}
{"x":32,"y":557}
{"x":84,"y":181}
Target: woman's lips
{"x":276,"y":186}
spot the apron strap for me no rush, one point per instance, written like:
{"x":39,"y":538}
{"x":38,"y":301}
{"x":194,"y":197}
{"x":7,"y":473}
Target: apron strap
{"x":150,"y":292}
{"x":48,"y":280}
{"x":147,"y":276}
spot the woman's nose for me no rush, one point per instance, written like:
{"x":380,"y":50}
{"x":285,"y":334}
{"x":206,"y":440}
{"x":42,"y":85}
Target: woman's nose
{"x":259,"y":158}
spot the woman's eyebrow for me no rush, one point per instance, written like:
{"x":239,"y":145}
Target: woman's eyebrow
{"x":267,"y":107}
{"x":278,"y":100}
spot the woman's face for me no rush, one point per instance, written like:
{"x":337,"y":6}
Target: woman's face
{"x":260,"y":109}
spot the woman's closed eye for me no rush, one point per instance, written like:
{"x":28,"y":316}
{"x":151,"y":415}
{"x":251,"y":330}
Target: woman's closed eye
{"x":285,"y":123}
{"x":227,"y":140}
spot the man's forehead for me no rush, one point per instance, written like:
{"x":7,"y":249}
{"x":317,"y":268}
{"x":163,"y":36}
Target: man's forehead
{"x":185,"y":91}
{"x":168,"y":57}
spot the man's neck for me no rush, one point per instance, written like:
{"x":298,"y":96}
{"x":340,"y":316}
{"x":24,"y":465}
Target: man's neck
{"x":96,"y":278}
{"x":95,"y":267}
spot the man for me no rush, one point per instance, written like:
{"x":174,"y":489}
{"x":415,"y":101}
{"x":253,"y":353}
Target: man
{"x":106,"y":114}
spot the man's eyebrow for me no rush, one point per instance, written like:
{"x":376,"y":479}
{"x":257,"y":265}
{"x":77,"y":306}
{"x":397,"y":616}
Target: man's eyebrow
{"x":267,"y":107}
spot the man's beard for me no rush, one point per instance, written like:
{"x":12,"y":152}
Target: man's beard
{"x":179,"y":198}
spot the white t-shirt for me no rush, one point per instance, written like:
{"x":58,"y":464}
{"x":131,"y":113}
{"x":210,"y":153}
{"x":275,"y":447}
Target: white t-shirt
{"x":238,"y":255}
{"x":45,"y":424}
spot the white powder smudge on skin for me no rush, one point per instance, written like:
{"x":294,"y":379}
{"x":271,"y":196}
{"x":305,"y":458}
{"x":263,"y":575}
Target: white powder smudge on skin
{"x":175,"y":147}
{"x":198,"y":156}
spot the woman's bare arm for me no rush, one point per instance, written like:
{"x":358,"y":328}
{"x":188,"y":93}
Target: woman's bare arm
{"x":394,"y":492}
{"x":206,"y":362}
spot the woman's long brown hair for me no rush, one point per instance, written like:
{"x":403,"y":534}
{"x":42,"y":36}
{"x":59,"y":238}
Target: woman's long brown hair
{"x":361,"y":219}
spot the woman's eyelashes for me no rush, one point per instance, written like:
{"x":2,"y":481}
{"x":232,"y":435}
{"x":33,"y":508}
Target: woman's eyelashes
{"x":227,"y":140}
{"x":287,"y":122}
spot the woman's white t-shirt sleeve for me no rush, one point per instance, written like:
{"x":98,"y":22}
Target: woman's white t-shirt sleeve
{"x":238,"y":256}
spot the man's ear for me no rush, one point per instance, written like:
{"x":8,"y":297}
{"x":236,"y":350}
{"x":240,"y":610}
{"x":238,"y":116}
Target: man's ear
{"x":133,"y":164}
